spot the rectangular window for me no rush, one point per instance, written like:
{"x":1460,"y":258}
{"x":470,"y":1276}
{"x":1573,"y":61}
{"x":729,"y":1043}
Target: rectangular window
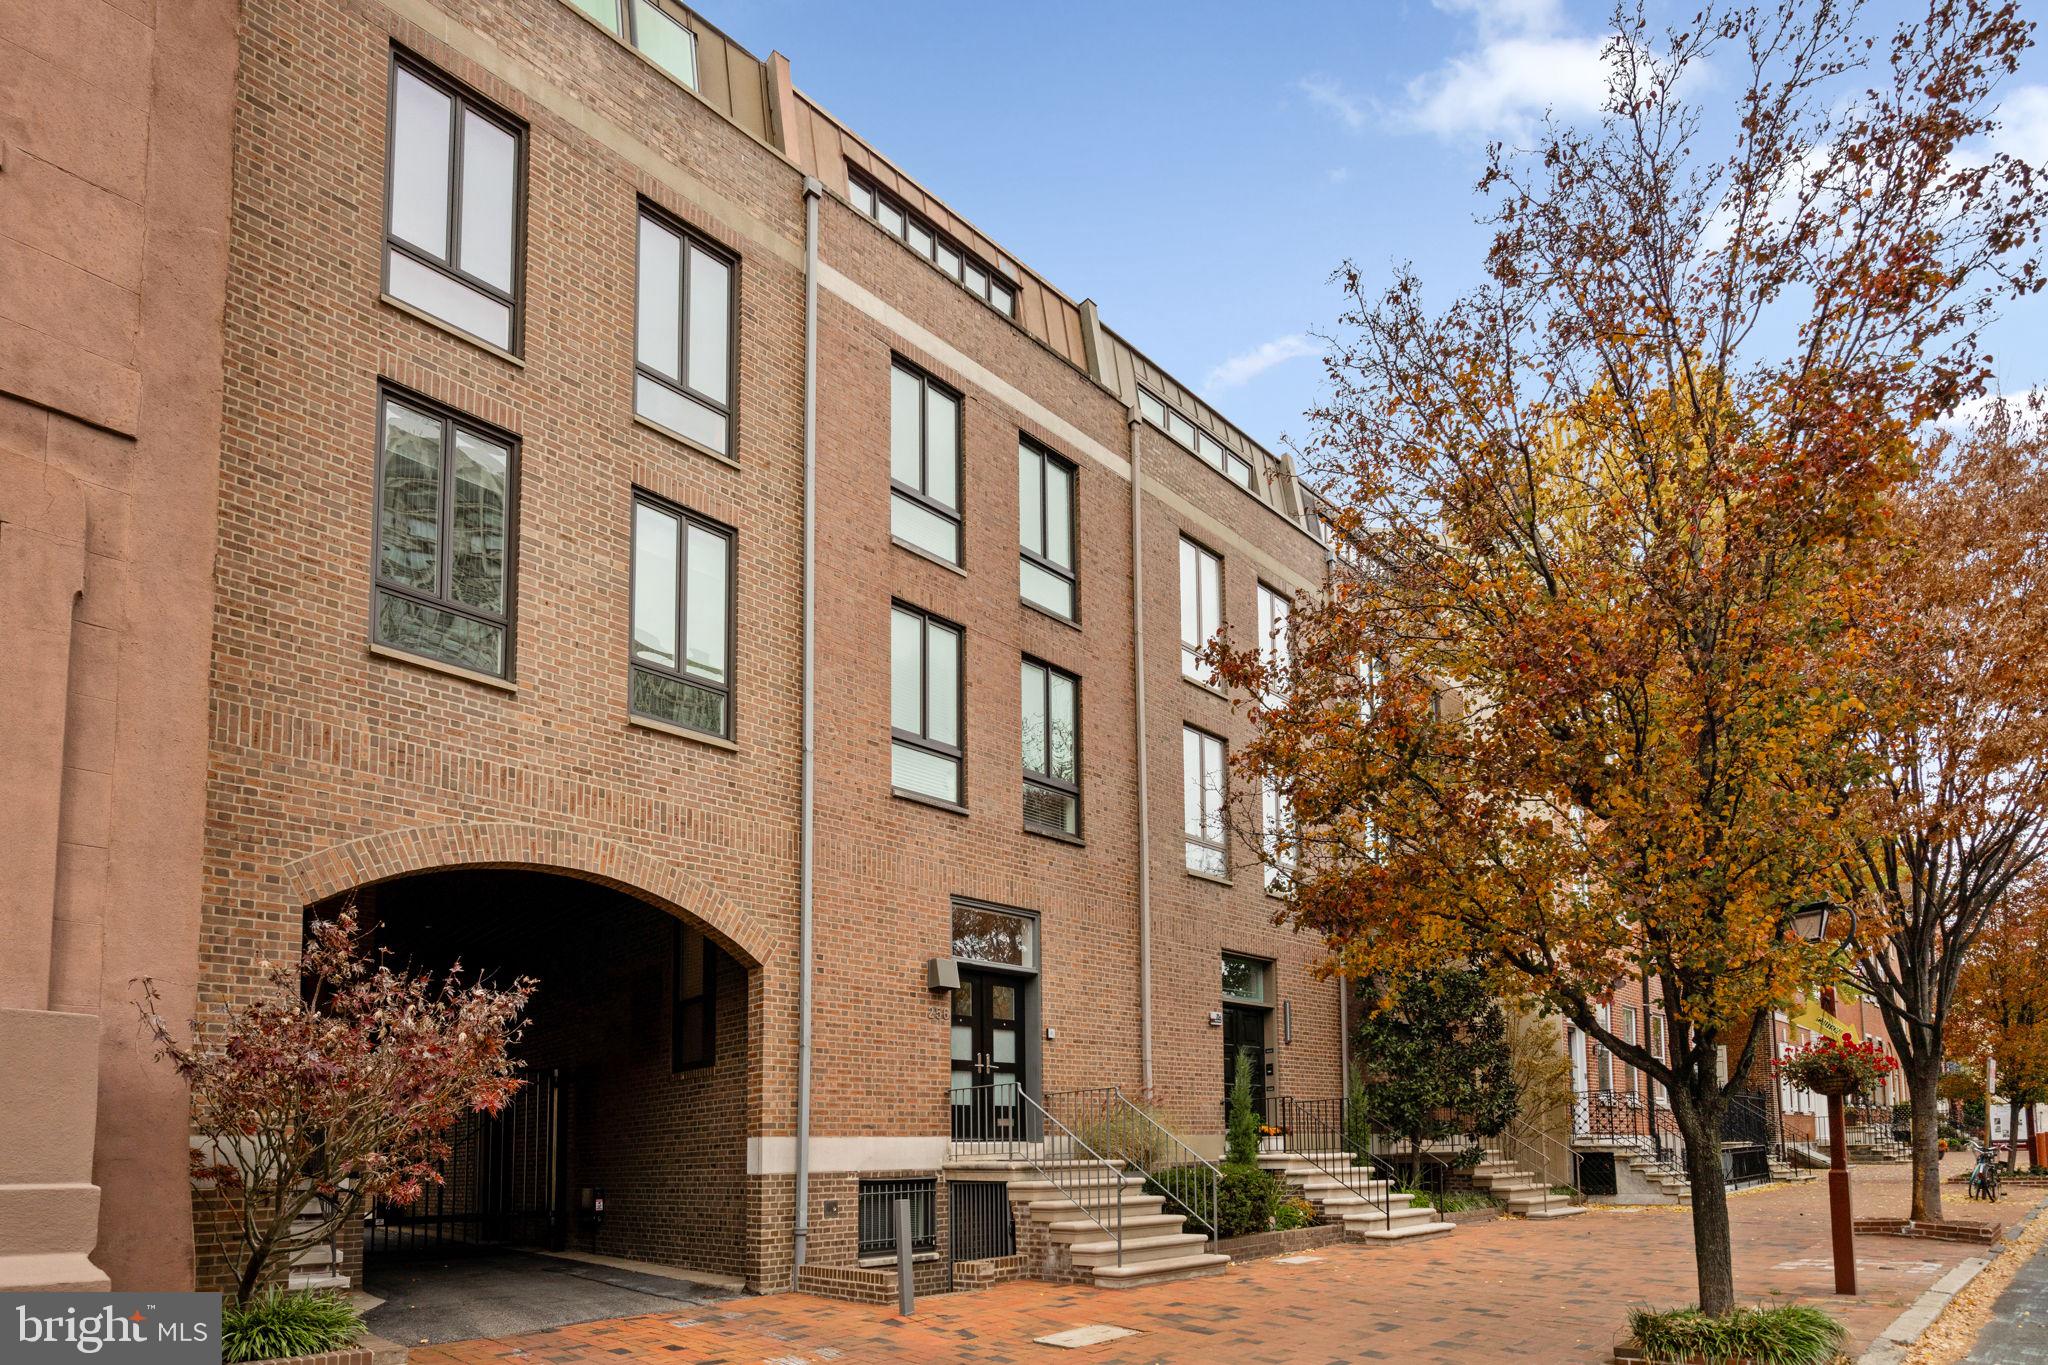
{"x":1205,"y":447}
{"x":1628,"y":1035}
{"x":1603,"y":1060}
{"x":693,"y":1041}
{"x":983,"y":281}
{"x":1273,"y":608}
{"x":1201,"y":607}
{"x":924,"y":463}
{"x":653,"y":26}
{"x":684,"y":319}
{"x":445,"y":490}
{"x":453,"y":189}
{"x":1052,"y":742}
{"x":877,"y":1207}
{"x":1244,"y":978}
{"x":1045,"y":517}
{"x":682,"y":618}
{"x":925,"y":703}
{"x":1659,"y":1050}
{"x":987,"y":933}
{"x":1277,"y":822}
{"x":1202,"y":778}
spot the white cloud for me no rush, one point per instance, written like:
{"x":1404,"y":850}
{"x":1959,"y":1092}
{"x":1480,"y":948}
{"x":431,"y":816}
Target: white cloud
{"x":1241,"y":369}
{"x":1329,"y":95}
{"x":1966,"y":417}
{"x":1337,"y":175}
{"x":2023,"y":124}
{"x":1525,"y":62}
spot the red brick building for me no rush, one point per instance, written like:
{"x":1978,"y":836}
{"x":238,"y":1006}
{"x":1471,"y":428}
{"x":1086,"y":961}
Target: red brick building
{"x":564,"y":360}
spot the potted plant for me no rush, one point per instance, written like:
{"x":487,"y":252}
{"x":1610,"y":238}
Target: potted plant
{"x":1837,"y":1066}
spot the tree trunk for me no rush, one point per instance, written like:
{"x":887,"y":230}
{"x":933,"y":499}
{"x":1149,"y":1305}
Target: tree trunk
{"x":1923,"y":1080}
{"x":2012,"y":1135}
{"x":1712,"y":1244}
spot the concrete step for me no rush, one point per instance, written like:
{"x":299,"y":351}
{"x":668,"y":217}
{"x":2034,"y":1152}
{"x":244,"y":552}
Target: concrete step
{"x":1135,"y":1224}
{"x":1063,"y":1210}
{"x":1554,"y":1211}
{"x":302,"y":1281}
{"x":1160,"y":1272}
{"x":1137,"y":1250}
{"x":1400,"y":1232}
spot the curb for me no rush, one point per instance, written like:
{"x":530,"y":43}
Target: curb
{"x":1894,"y":1341}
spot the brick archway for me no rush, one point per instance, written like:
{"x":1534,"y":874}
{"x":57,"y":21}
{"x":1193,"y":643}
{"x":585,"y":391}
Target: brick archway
{"x":440,"y":848}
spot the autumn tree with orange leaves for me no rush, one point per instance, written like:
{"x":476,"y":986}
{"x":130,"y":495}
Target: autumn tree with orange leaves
{"x":1582,"y":702}
{"x":1960,"y":824}
{"x":2001,"y":1005}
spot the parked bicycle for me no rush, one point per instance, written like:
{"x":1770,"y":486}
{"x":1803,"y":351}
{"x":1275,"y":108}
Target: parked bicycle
{"x":1984,"y":1177}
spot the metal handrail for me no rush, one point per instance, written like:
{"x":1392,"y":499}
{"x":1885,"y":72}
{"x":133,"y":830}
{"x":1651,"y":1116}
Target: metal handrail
{"x":1549,"y":1147}
{"x":1647,"y":1127}
{"x":1311,"y":1129}
{"x":1003,"y":1120}
{"x":1123,"y":1131}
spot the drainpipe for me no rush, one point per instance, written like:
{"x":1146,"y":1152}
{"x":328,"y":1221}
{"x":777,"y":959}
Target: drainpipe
{"x":807,"y":809}
{"x":1144,"y":790}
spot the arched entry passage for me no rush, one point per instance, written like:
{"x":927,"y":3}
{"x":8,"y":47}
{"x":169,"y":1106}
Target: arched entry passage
{"x":636,"y":1049}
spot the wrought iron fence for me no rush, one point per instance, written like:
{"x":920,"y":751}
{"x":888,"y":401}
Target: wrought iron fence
{"x":979,"y":1221}
{"x":1628,"y":1123}
{"x":1110,"y":1123}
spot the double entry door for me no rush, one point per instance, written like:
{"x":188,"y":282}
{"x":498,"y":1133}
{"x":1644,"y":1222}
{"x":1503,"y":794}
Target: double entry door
{"x":988,"y":1055}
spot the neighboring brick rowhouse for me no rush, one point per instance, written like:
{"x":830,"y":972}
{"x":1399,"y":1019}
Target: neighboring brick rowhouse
{"x":333,"y":767}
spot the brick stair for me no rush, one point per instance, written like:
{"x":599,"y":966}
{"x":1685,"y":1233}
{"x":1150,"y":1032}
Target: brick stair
{"x":1157,"y":1245}
{"x":1358,"y":1206}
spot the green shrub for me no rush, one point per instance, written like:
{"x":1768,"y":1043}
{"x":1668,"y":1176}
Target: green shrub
{"x":1293,"y":1213}
{"x":280,"y":1324}
{"x":1794,"y":1334}
{"x":1246,"y":1201}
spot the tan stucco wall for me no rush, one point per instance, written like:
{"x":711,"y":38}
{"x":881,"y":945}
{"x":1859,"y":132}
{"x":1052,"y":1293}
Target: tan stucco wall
{"x":113,"y":211}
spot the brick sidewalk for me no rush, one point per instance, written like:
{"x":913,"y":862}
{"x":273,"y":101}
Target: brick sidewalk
{"x":1557,"y":1291}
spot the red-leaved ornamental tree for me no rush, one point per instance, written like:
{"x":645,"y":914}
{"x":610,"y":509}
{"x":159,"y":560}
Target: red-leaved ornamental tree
{"x":336,"y":1086}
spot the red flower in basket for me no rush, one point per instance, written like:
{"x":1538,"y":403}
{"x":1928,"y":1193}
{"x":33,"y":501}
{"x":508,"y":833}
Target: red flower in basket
{"x":1836,"y":1066}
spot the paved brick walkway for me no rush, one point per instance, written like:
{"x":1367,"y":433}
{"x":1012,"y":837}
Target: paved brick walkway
{"x":1507,"y":1290}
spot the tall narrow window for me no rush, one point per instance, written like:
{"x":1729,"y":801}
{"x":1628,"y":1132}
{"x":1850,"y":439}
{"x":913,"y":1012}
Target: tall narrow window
{"x":683,"y":370}
{"x":452,"y":225}
{"x":1273,"y":606}
{"x":444,"y":493}
{"x":1201,"y":607}
{"x":1628,"y":1035}
{"x":682,"y":618}
{"x":693,"y":1013}
{"x":1277,"y":824}
{"x":1202,"y":778}
{"x":1045,"y":516}
{"x":1603,"y":1060}
{"x":924,"y":704}
{"x":924,"y":464}
{"x":1052,"y":771}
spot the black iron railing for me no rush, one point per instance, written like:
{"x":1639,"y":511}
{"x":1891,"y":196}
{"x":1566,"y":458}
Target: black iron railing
{"x":1110,"y":1123}
{"x":1001,"y":1120}
{"x":1317,"y":1133}
{"x":877,"y":1215}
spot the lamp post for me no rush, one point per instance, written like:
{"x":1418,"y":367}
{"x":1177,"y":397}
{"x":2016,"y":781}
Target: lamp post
{"x":1811,"y":923}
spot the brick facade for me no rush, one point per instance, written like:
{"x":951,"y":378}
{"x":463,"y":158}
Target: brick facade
{"x":534,"y":818}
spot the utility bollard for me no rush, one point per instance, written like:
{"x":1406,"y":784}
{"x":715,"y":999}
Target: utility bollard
{"x":906,"y":1289}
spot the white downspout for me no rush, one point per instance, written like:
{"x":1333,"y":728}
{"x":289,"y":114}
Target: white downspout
{"x":806,"y":816}
{"x":1144,"y":741}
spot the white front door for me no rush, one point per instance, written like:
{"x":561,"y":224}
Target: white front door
{"x":1576,"y":1042}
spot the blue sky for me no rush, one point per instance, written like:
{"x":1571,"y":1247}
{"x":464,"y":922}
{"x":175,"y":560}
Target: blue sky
{"x":1199,"y":169}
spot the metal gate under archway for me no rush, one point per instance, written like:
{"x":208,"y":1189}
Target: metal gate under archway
{"x":504,"y":1181}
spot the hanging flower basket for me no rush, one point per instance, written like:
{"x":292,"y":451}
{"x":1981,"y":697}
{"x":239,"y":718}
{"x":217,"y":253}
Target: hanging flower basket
{"x":1835,"y":1066}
